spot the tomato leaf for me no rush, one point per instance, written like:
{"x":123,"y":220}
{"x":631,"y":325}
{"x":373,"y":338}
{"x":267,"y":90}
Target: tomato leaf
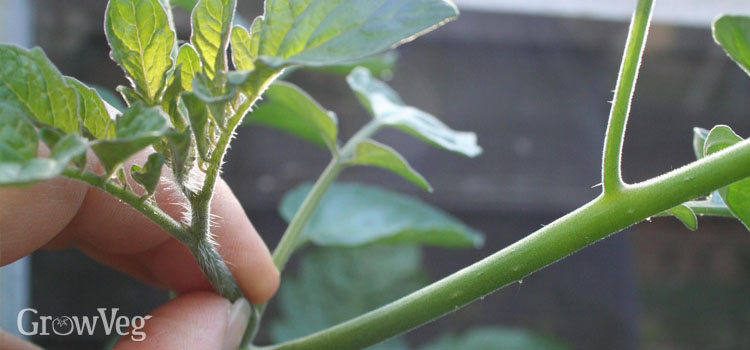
{"x":719,"y":138}
{"x":733,"y":34}
{"x":30,"y":83}
{"x":354,"y":214}
{"x":736,"y":195}
{"x":686,"y":215}
{"x":137,"y":128}
{"x":92,"y":111}
{"x":699,"y":140}
{"x":376,"y":154}
{"x":245,"y":45}
{"x":334,"y":285}
{"x":325,"y":32}
{"x":288,"y":108}
{"x":212,"y":23}
{"x":388,"y":109}
{"x":142,"y":42}
{"x":190,"y":65}
{"x":18,"y":149}
{"x":198,"y":115}
{"x":148,"y":175}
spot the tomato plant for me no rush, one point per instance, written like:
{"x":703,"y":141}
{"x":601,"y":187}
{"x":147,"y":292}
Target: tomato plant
{"x":186,"y":100}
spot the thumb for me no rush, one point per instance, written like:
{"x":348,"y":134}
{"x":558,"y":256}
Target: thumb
{"x":198,"y":320}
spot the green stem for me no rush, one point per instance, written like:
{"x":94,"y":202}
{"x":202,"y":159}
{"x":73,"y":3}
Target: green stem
{"x":584,"y":226}
{"x":291,"y":237}
{"x":204,"y":251}
{"x":618,"y":117}
{"x":151,"y":211}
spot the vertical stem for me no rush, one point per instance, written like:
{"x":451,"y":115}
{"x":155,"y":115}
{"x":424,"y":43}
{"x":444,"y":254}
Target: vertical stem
{"x":205,"y":251}
{"x":618,"y":116}
{"x":291,"y":236}
{"x":290,"y":239}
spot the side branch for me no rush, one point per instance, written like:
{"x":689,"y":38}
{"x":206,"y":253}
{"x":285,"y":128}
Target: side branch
{"x":588,"y":224}
{"x":146,"y":208}
{"x":626,"y":79}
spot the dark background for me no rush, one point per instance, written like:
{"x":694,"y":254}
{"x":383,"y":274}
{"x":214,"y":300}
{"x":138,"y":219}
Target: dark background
{"x":535,"y":90}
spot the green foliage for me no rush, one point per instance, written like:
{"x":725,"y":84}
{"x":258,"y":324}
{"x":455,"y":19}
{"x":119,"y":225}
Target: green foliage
{"x":190,"y":65}
{"x":389,"y":110}
{"x":245,"y":45}
{"x":376,"y":154}
{"x":19,"y":163}
{"x":148,"y":175}
{"x":382,"y":65}
{"x":212,"y":24}
{"x":92,"y":111}
{"x":733,"y":34}
{"x":720,"y":137}
{"x":142,"y":43}
{"x":354,"y":215}
{"x":686,"y":215}
{"x":137,"y":128}
{"x":198,"y":114}
{"x":699,"y":140}
{"x":737,"y":195}
{"x":326,"y":32}
{"x":334,"y":284}
{"x":492,"y":338}
{"x":288,"y":108}
{"x":29,"y":82}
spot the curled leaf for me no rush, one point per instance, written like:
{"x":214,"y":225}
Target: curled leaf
{"x":148,"y":175}
{"x":388,"y":109}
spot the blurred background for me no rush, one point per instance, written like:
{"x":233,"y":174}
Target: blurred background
{"x":533,"y":80}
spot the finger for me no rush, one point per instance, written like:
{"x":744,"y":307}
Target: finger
{"x":105,"y":227}
{"x":119,"y":236}
{"x":9,"y":341}
{"x":31,"y":216}
{"x":198,"y":320}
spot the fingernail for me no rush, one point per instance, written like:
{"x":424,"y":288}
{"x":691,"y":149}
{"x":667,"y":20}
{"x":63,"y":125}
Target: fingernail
{"x":239,"y":316}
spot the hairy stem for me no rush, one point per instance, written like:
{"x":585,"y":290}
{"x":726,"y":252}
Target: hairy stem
{"x":618,"y":117}
{"x":205,"y":252}
{"x":582,"y":227}
{"x":149,"y":210}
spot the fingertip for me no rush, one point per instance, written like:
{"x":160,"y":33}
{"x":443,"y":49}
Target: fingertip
{"x":196,"y":320}
{"x":247,"y":255}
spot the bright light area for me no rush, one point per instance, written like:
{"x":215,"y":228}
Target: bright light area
{"x":683,"y":12}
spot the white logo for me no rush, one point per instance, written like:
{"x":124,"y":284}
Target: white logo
{"x":65,"y":325}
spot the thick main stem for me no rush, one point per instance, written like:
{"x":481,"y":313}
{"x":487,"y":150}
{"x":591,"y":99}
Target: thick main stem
{"x":588,"y":224}
{"x":203,"y":249}
{"x":618,"y":117}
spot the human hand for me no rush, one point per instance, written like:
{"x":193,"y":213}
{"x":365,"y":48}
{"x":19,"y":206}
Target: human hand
{"x":60,"y":213}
